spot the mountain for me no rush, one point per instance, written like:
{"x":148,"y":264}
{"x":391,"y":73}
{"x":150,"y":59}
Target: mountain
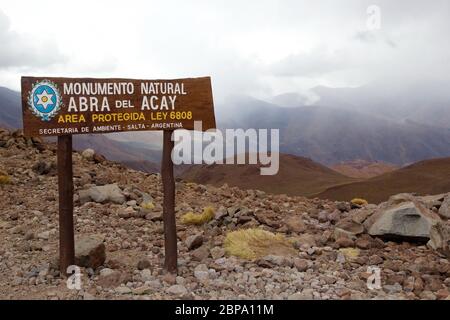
{"x":134,"y":154}
{"x":363,"y":169}
{"x":11,"y":113}
{"x":296,"y":176}
{"x":424,"y":177}
{"x":331,"y":135}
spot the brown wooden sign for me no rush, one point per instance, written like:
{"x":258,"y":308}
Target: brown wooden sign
{"x":64,"y":106}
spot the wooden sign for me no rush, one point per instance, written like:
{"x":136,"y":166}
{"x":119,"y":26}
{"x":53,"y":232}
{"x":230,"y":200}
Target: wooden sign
{"x":62,"y":106}
{"x":66,"y":106}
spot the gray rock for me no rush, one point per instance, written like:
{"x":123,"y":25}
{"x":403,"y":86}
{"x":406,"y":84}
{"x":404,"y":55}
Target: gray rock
{"x":405,"y":220}
{"x":90,"y":251}
{"x":103,"y":194}
{"x":278,"y":260}
{"x":194,"y":241}
{"x":295,"y":224}
{"x":440,"y":238}
{"x":177,"y":289}
{"x":444,"y":210}
{"x":217,"y":252}
{"x":123,"y":290}
{"x":88,"y":154}
{"x":143,"y":264}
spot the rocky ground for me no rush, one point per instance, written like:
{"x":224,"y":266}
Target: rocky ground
{"x":120,"y":238}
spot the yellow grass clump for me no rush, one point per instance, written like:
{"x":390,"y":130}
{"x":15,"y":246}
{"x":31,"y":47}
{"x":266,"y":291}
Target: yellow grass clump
{"x":148,"y":205}
{"x":193,"y":218}
{"x":350,"y":253}
{"x":256,"y":243}
{"x":4,"y":179}
{"x":359,"y":202}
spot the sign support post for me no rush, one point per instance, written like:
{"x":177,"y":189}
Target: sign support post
{"x":168,"y":181}
{"x":65,"y":189}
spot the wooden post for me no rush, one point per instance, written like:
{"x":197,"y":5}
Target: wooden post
{"x":65,"y":189}
{"x":170,"y":230}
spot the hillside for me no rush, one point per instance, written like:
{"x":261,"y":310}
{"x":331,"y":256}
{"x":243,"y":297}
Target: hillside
{"x":425,"y":177}
{"x":295,"y":248}
{"x":363,"y":169}
{"x":331,"y":135}
{"x":296,"y":176}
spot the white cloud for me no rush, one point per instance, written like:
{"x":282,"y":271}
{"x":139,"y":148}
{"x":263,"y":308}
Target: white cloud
{"x":260,"y":48}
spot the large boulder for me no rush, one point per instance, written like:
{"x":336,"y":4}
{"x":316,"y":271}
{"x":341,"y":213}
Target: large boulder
{"x":90,"y":251}
{"x":444,"y":210}
{"x":103,"y":194}
{"x":403,"y":220}
{"x":440,"y":238}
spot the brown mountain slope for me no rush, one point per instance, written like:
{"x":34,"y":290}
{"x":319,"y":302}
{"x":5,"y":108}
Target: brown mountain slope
{"x":363,"y":169}
{"x":296,"y":176}
{"x":425,"y":177}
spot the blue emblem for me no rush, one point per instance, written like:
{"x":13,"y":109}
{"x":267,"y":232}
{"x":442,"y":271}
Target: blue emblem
{"x":44,"y":100}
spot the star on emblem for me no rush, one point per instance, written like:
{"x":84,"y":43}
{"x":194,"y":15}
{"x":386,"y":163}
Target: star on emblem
{"x":44,"y":99}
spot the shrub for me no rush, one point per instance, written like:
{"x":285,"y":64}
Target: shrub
{"x":192,"y":218}
{"x":359,"y":202}
{"x":4,"y":179}
{"x":147,"y":205}
{"x":256,"y":243}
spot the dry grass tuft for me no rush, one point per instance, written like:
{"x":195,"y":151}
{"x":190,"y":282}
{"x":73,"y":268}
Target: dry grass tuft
{"x":359,"y":202}
{"x":256,"y":243}
{"x":4,"y":179}
{"x":147,"y":205}
{"x":192,"y":218}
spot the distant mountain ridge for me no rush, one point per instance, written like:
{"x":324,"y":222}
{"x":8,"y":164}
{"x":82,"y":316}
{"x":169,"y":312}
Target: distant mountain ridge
{"x":331,"y":135}
{"x":424,"y":178}
{"x":296,"y":176}
{"x":363,"y":169}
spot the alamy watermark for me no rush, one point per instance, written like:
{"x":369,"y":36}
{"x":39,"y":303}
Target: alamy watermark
{"x":233,"y":146}
{"x":373,"y":18}
{"x":74,"y":280}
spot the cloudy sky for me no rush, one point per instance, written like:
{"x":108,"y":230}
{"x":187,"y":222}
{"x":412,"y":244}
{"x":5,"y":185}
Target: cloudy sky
{"x":260,"y":48}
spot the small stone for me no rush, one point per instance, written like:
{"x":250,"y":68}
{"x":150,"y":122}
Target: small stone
{"x":375,"y":259}
{"x":106,"y":272}
{"x":122,"y":290}
{"x":295,"y":224}
{"x":90,"y":251}
{"x":88,"y":154}
{"x":200,"y":254}
{"x":363,"y":244}
{"x":427,"y":295}
{"x":44,"y":235}
{"x":345,"y":242}
{"x":177,"y":289}
{"x":217,"y":252}
{"x":143,"y":264}
{"x":169,"y":278}
{"x":146,"y":275}
{"x":29,"y":235}
{"x":442,"y":294}
{"x":301,"y":264}
{"x":142,"y":290}
{"x":194,"y":241}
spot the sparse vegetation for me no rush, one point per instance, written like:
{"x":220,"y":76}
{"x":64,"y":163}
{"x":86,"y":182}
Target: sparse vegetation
{"x":4,"y":179}
{"x":193,"y":218}
{"x":148,"y":205}
{"x":255,"y":243}
{"x":359,"y":202}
